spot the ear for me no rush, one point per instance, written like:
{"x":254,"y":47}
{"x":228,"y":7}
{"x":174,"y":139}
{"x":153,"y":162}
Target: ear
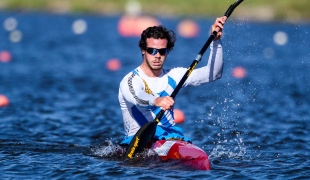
{"x":143,"y":52}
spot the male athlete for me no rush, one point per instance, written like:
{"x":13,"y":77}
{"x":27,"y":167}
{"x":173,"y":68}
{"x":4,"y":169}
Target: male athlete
{"x":146,"y":90}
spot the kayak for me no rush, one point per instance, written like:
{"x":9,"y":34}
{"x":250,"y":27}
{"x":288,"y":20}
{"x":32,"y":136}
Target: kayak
{"x":187,"y":153}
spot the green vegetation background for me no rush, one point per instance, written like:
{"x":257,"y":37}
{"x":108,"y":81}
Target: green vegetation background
{"x":263,"y":10}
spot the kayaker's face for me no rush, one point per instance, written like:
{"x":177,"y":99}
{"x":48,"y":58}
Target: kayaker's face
{"x":155,"y":54}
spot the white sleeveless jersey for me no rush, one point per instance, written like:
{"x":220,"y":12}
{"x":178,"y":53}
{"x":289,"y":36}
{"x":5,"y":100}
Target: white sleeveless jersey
{"x":137,"y":91}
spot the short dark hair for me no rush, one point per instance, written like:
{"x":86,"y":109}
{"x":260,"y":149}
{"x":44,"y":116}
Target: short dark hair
{"x":157,"y":32}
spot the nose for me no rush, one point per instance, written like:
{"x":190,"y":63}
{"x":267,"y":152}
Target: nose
{"x":157,"y":54}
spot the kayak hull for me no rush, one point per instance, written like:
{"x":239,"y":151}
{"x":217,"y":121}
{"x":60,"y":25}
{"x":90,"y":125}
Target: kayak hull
{"x":187,"y":153}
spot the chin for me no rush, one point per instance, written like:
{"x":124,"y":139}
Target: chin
{"x":157,"y":67}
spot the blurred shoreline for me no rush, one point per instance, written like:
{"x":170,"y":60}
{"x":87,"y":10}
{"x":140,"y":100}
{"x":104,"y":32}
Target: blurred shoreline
{"x":259,"y":10}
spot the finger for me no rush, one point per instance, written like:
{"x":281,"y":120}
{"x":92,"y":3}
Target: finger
{"x":170,"y":100}
{"x":220,"y":25}
{"x":221,"y":22}
{"x":167,"y":107}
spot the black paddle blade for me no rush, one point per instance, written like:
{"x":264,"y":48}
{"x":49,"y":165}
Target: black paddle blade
{"x":141,"y":139}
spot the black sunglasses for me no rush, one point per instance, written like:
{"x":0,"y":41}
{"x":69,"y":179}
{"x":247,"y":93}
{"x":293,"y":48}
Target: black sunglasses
{"x":154,"y":51}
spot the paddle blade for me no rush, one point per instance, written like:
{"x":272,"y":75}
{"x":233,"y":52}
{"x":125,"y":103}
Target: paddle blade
{"x":141,"y":139}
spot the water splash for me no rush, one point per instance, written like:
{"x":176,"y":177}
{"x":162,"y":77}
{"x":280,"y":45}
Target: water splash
{"x":111,"y":150}
{"x":233,"y":148}
{"x":229,"y":141}
{"x":116,"y":151}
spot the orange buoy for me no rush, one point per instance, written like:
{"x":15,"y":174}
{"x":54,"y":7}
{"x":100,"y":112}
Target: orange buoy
{"x":113,"y":64}
{"x":4,"y":101}
{"x":126,"y":26}
{"x":5,"y":56}
{"x":188,"y":28}
{"x":179,"y":116}
{"x":133,"y":26}
{"x":239,"y":72}
{"x":144,"y":22}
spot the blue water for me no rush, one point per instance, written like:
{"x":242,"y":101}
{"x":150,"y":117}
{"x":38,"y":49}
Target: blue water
{"x":64,"y":121}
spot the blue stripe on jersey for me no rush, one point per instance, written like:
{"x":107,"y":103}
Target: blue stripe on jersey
{"x":135,"y":72}
{"x":163,"y":93}
{"x":164,"y":121}
{"x":172,"y":82}
{"x":138,"y":116}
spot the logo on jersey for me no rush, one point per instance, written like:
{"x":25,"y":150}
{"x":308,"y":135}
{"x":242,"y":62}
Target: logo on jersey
{"x":147,"y":89}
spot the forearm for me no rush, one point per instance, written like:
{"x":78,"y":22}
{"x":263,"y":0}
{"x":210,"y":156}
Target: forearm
{"x":215,"y":61}
{"x":212,"y":71}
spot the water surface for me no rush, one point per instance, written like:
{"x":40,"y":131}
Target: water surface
{"x":64,"y":120}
